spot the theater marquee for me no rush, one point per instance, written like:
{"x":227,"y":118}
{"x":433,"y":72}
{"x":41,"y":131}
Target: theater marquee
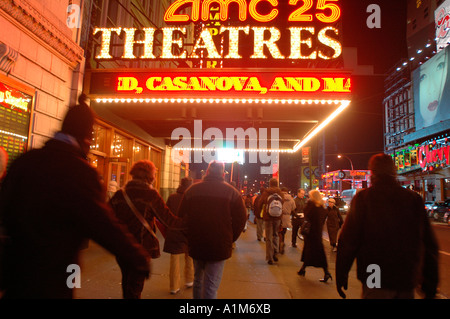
{"x":219,"y":84}
{"x":230,"y":30}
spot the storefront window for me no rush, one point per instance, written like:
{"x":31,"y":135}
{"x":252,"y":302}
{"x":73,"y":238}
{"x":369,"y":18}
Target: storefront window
{"x":99,"y":139}
{"x":140,"y":151}
{"x":120,"y":147}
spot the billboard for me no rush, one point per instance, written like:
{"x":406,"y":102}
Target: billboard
{"x":442,"y":23}
{"x":432,"y":90}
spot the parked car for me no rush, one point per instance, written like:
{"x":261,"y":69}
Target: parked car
{"x":441,"y":211}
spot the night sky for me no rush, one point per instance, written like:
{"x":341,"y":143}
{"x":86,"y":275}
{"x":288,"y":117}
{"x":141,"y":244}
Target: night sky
{"x":358,"y":132}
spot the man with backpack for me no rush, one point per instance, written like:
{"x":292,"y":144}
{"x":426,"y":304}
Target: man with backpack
{"x":272,"y":198}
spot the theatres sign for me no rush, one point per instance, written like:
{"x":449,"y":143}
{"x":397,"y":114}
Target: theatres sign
{"x":312,"y":32}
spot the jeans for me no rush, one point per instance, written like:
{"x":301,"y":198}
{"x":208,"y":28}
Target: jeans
{"x":207,"y":278}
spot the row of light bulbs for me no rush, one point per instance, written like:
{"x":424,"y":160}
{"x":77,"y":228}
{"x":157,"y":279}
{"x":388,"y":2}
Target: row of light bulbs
{"x":265,"y":150}
{"x":191,"y":100}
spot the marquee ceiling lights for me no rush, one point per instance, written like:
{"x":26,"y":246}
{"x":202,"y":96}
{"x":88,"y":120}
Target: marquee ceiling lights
{"x":212,"y":101}
{"x":343,"y":104}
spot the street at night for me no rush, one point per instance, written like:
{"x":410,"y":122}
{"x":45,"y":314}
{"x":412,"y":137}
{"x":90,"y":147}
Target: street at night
{"x":184,"y":140}
{"x":246,"y":276}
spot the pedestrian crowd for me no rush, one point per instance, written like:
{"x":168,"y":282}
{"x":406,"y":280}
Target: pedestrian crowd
{"x":52,"y":201}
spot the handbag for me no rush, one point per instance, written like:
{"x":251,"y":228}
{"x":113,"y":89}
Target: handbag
{"x":305,"y":229}
{"x":138,"y":215}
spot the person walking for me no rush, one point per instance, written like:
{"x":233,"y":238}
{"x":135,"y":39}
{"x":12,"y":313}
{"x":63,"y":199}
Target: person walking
{"x":313,"y":251}
{"x":288,"y":210}
{"x":176,"y":244}
{"x":387,"y":229}
{"x":334,"y":222}
{"x":51,"y":203}
{"x":271,"y":223}
{"x":298,"y":215}
{"x":137,"y":205}
{"x":258,"y":209}
{"x":215,"y":216}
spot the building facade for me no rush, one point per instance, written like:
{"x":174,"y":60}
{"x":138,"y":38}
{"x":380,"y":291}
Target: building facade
{"x":41,"y":72}
{"x":46,"y":48}
{"x":417,"y":112}
{"x":119,"y":142}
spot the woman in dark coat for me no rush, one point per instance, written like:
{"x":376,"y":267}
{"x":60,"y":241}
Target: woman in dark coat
{"x":176,"y":244}
{"x":313,"y":251}
{"x":151,"y":206}
{"x":334,"y":222}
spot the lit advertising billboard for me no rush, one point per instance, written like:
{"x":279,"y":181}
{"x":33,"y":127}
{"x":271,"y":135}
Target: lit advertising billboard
{"x":442,"y":22}
{"x":432,"y":90}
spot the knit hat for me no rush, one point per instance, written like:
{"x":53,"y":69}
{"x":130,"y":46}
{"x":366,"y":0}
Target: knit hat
{"x":79,"y":120}
{"x":382,"y":165}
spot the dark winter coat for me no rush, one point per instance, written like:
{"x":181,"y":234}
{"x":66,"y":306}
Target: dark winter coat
{"x":215,"y":217}
{"x":298,"y":213}
{"x":313,"y":252}
{"x":334,"y":223}
{"x":51,"y":202}
{"x":151,"y":205}
{"x":176,"y":240}
{"x":387,"y":225}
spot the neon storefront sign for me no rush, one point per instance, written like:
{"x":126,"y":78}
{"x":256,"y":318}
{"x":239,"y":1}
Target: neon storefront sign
{"x":14,"y":99}
{"x":431,"y":157}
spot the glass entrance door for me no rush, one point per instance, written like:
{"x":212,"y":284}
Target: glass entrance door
{"x":118,"y":173}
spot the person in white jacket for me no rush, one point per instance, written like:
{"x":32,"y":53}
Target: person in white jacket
{"x":288,"y":208}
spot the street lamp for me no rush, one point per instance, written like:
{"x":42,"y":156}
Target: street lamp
{"x":351,"y":164}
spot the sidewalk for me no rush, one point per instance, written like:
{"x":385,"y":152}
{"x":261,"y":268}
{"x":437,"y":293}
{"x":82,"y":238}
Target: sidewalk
{"x":246,"y":276}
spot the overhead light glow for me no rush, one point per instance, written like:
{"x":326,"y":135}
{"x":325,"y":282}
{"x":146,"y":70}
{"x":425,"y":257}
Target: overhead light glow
{"x":322,"y":125}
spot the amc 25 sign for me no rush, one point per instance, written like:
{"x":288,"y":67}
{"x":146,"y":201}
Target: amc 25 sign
{"x":312,"y":32}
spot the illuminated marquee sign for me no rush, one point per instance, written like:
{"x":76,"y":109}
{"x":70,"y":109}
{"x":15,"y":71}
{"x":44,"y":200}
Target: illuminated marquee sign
{"x":299,"y":14}
{"x":307,"y":41}
{"x":217,"y":84}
